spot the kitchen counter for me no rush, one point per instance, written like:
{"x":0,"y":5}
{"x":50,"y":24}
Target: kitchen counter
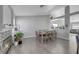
{"x":4,"y":30}
{"x":4,"y":34}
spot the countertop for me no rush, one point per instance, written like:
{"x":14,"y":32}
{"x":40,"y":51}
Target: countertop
{"x":4,"y":30}
{"x":74,"y":31}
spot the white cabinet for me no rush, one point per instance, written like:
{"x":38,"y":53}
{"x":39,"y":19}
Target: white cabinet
{"x":73,"y":44}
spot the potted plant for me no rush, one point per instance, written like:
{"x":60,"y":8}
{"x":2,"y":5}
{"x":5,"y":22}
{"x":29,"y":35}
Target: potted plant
{"x":18,"y":36}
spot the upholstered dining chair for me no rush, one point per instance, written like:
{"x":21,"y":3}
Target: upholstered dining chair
{"x":42,"y":37}
{"x":53,"y":35}
{"x":77,"y":40}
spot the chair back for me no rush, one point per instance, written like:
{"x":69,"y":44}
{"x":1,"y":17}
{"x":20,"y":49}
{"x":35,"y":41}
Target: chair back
{"x":77,"y":39}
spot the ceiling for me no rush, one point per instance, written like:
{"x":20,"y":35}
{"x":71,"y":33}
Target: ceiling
{"x":34,"y":10}
{"x":31,"y":10}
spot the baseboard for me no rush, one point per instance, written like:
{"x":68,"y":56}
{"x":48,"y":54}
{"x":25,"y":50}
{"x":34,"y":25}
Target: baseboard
{"x":28,"y":37}
{"x":62,"y":38}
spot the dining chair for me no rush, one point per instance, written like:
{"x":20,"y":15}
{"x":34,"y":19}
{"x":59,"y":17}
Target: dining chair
{"x":53,"y":35}
{"x":45,"y":38}
{"x":77,"y":40}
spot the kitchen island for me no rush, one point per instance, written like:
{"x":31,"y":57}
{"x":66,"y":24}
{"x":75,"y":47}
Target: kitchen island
{"x":5,"y":40}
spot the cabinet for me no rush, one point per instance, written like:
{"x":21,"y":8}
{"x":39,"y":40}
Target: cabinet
{"x":5,"y":40}
{"x":72,"y":43}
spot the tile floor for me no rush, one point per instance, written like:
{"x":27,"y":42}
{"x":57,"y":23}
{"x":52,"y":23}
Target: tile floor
{"x":33,"y":46}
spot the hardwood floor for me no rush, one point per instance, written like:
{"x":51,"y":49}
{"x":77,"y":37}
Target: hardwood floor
{"x":33,"y":46}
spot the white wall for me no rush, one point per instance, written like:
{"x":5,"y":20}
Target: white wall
{"x":6,"y":15}
{"x":1,"y":16}
{"x":30,"y":24}
{"x":74,"y":18}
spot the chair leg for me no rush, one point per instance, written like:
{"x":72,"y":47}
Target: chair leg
{"x":77,"y":50}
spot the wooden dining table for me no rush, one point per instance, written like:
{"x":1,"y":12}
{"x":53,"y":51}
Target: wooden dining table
{"x":43,"y":34}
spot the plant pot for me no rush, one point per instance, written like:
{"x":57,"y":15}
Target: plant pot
{"x":20,"y":42}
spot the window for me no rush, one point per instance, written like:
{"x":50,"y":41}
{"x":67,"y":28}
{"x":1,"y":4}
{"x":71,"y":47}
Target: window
{"x":58,"y":23}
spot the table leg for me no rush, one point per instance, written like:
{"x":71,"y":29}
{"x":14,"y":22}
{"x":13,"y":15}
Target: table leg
{"x":42,"y":38}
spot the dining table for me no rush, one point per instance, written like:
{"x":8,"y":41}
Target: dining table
{"x":43,"y":34}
